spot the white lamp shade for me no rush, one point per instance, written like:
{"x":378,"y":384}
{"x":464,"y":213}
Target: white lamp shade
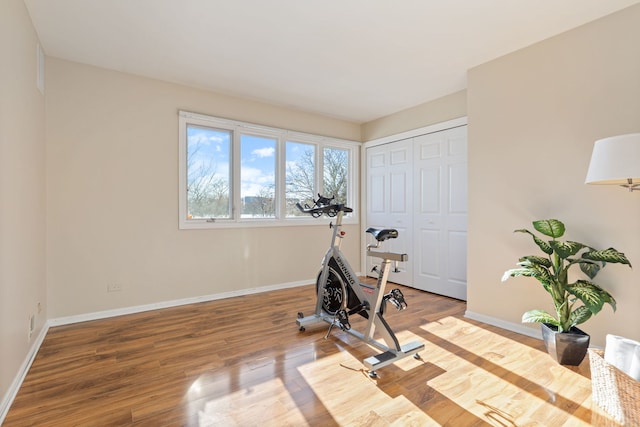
{"x":615,"y":160}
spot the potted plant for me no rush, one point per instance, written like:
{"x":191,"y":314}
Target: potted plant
{"x":576,"y":301}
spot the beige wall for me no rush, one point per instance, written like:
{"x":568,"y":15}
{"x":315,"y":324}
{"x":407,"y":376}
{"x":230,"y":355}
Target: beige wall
{"x":22,"y":190}
{"x":533,"y":117}
{"x":112,"y":199}
{"x":437,"y":111}
{"x":111,"y":181}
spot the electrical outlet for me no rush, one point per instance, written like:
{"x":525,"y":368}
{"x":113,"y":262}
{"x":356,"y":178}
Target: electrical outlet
{"x":32,"y":326}
{"x":114,"y":287}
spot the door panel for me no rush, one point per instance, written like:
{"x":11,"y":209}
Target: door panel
{"x":429,"y":261}
{"x":419,"y":187}
{"x":376,"y":198}
{"x":441,"y":171}
{"x":457,"y":262}
{"x":429,"y":186}
{"x":389,"y":202}
{"x":458,"y":189}
{"x":397,"y":191}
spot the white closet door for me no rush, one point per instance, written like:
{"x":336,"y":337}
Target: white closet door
{"x":389,"y":202}
{"x":440,"y":214}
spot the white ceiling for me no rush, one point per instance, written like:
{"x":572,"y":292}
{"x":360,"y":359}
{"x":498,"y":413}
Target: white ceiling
{"x":352,"y":59}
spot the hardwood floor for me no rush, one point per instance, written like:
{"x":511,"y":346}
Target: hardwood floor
{"x":242,"y":362}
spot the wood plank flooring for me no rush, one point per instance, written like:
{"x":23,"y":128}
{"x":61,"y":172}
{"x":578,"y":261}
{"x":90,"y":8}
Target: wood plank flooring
{"x":242,"y":362}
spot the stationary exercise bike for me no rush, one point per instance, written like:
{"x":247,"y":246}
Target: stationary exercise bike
{"x":340,"y":293}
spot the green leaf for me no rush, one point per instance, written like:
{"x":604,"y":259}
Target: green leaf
{"x":533,"y":269}
{"x":521,"y":272}
{"x":566,"y":249}
{"x":579,"y":315}
{"x":607,"y":298}
{"x":591,"y":295}
{"x":527,"y":269}
{"x":544,"y":246}
{"x":540,"y":272}
{"x":608,"y":255}
{"x":538,"y":260}
{"x":517,"y":272}
{"x":539,"y":316}
{"x":549,"y":227}
{"x":590,"y":268}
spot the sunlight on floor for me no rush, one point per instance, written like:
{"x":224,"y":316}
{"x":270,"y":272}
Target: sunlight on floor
{"x":481,"y":372}
{"x":342,"y":384}
{"x":458,"y":347}
{"x":476,"y":374}
{"x":268,"y":401}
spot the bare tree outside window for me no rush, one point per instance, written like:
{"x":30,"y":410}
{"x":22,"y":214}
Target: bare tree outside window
{"x":233,"y":174}
{"x":300,"y":176}
{"x":208,"y":191}
{"x":257,"y":176}
{"x":262,"y":205}
{"x":336,"y":172}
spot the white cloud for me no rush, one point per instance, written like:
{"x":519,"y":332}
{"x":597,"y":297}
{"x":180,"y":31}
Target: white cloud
{"x":253,"y":180}
{"x":264,"y":152}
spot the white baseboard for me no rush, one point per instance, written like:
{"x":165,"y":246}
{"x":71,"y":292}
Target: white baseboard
{"x":11,"y":393}
{"x":22,"y":373}
{"x":509,"y":326}
{"x":174,"y":303}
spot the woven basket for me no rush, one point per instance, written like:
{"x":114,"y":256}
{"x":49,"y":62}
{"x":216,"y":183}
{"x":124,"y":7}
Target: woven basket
{"x":614,"y":391}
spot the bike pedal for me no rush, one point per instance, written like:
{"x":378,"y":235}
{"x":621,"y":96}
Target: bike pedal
{"x":343,"y":320}
{"x":399,"y":297}
{"x":395,"y":303}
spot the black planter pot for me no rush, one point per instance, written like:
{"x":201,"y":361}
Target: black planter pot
{"x":566,"y":348}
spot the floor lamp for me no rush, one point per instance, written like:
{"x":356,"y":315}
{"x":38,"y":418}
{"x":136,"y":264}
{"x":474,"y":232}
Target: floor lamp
{"x":616,"y":161}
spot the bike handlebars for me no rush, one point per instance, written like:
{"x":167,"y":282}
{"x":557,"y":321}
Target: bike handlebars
{"x":323,"y":206}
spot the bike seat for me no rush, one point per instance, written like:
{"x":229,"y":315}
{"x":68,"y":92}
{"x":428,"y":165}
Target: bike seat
{"x":383,"y":234}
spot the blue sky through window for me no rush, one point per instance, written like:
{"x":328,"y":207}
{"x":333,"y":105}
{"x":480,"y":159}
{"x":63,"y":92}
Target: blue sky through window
{"x":258,"y":162}
{"x":208,"y":153}
{"x":236,"y":172}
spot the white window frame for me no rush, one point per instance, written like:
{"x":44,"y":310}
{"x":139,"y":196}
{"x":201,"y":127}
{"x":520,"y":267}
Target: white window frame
{"x":282,"y":136}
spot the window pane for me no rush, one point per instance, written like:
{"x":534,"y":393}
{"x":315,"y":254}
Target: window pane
{"x":336,"y":173}
{"x":300,"y":176}
{"x":257,"y":176}
{"x":208,"y":160}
